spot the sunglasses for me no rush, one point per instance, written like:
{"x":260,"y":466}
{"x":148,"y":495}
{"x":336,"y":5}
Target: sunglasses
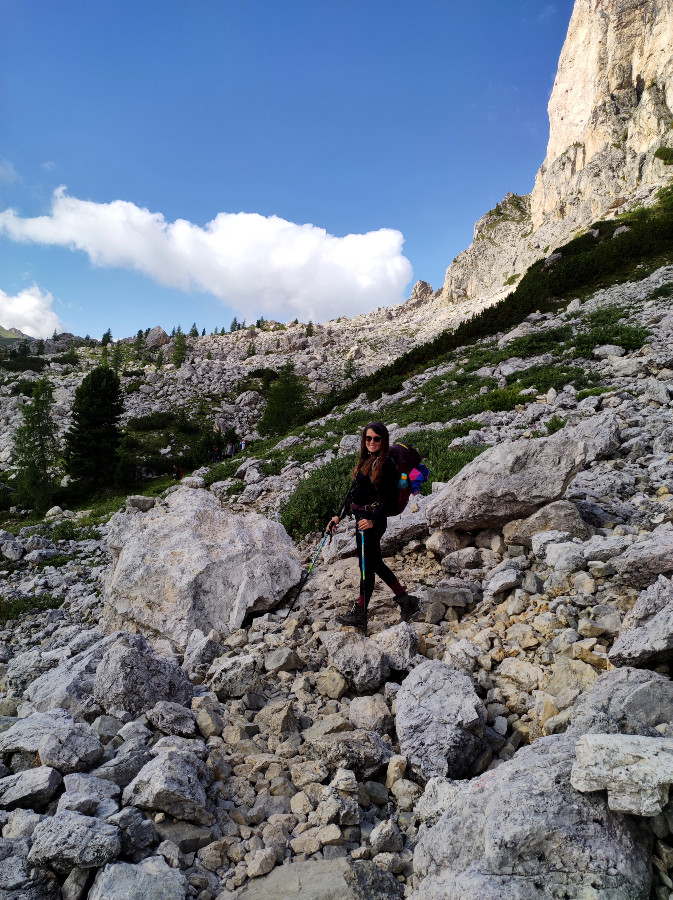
{"x":373,"y":438}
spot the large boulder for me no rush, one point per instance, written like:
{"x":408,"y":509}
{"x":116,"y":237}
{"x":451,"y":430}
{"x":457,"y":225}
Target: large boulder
{"x":69,"y":839}
{"x":151,"y":879}
{"x":322,"y":879}
{"x":23,"y":880}
{"x":521,"y":832}
{"x":190,"y":564}
{"x":632,"y":701}
{"x":440,"y":721}
{"x":131,"y":678}
{"x":70,"y":685}
{"x":360,"y":660}
{"x":559,"y":516}
{"x":646,"y":635}
{"x":175,"y":783}
{"x":513,"y":480}
{"x":156,"y":337}
{"x":648,"y":557}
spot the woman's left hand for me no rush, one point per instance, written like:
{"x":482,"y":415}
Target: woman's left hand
{"x":364,"y":524}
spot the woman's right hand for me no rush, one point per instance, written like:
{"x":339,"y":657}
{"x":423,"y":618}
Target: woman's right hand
{"x":332,"y":525}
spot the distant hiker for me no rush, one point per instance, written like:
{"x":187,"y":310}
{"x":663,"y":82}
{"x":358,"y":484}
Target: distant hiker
{"x":177,"y":472}
{"x":372,"y":497}
{"x":241,"y":446}
{"x":230,"y":450}
{"x":217,"y":455}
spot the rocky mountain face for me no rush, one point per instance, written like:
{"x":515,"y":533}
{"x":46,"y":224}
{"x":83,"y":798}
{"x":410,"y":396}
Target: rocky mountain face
{"x":609,"y":114}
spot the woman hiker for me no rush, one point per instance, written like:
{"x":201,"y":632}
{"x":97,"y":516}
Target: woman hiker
{"x":372,"y":496}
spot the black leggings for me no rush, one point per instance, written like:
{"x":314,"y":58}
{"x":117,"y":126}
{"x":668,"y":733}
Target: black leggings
{"x":374,"y":564}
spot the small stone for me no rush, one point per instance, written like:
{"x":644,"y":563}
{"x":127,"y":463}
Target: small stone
{"x":396,"y":769}
{"x":386,"y":837}
{"x":331,"y":684}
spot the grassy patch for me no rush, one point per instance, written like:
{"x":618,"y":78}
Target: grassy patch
{"x":542,"y":378}
{"x":12,"y":609}
{"x":68,"y":531}
{"x":593,"y":392}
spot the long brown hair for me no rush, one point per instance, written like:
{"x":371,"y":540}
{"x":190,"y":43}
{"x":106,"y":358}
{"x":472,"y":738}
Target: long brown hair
{"x":369,"y":463}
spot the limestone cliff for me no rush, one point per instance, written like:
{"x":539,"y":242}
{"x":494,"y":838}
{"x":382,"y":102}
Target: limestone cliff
{"x":609,"y":114}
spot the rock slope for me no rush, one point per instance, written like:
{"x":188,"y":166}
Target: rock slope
{"x":514,"y":741}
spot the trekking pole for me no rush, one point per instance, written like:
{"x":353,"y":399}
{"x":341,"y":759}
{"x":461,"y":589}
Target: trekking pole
{"x":362,"y":557}
{"x":305,"y":575}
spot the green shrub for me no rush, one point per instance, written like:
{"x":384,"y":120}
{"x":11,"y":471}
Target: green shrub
{"x":156,"y":421}
{"x":592,"y":392}
{"x":65,"y":531}
{"x":630,"y":337}
{"x":664,"y":290}
{"x":556,"y":423}
{"x":22,"y":386}
{"x":15,"y":607}
{"x":544,"y":377}
{"x":133,"y":386}
{"x":317,"y":497}
{"x":665,"y":154}
{"x":540,"y":342}
{"x":23,"y":364}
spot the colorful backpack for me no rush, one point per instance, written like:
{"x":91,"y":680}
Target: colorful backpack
{"x":411,"y":473}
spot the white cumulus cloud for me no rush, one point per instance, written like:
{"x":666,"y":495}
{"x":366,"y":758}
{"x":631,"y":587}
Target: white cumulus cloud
{"x":31,"y":311}
{"x":255,"y":264}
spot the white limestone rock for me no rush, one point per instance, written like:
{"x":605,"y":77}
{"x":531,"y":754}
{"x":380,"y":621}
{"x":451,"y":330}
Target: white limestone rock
{"x":636,"y":771}
{"x":191,"y":564}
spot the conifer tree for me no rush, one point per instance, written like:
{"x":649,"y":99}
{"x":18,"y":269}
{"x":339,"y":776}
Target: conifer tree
{"x":139,"y":344}
{"x":107,"y":338}
{"x":35,"y":450}
{"x":117,"y":357}
{"x":234,"y":325}
{"x":179,"y":353}
{"x":93,"y":437}
{"x":286,"y":402}
{"x":194,"y":331}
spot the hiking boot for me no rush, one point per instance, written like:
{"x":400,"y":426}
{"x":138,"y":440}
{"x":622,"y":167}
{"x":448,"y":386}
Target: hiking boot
{"x":409,"y":606}
{"x":356,"y":616}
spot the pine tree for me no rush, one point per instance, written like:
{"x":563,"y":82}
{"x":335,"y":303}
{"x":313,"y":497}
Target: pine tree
{"x":159,"y":361}
{"x":286,"y":403}
{"x":309,"y":329}
{"x":117,"y":357}
{"x":40,"y":347}
{"x":107,"y":338}
{"x":194,"y":331}
{"x":234,"y":325}
{"x":203,"y":332}
{"x":35,"y":450}
{"x":179,"y":353}
{"x":139,"y":344}
{"x":91,"y":441}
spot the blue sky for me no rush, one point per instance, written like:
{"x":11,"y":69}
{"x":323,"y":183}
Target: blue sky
{"x":161,"y":162}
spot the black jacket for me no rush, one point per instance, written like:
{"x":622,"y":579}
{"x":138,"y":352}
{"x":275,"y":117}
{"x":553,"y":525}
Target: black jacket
{"x":380,"y":499}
